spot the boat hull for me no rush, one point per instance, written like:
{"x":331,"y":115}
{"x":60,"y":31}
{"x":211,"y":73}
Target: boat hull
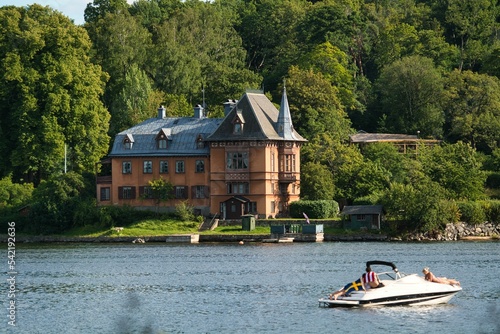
{"x":390,"y":301}
{"x":410,"y":290}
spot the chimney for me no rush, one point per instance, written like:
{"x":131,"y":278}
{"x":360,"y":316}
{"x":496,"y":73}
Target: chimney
{"x":161,"y":112}
{"x":199,"y":112}
{"x":228,"y":106}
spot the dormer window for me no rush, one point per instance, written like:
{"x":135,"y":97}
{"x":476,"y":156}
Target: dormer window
{"x":238,"y":123}
{"x":128,"y":141}
{"x":199,"y":141}
{"x":162,"y":143}
{"x":237,"y":128}
{"x":162,"y":138}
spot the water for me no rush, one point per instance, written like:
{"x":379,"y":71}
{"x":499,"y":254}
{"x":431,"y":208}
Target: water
{"x":251,"y":288}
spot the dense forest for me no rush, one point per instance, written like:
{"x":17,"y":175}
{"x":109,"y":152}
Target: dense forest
{"x":430,"y":67}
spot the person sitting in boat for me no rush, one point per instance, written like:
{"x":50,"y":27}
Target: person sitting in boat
{"x":348,"y":288}
{"x":429,"y":276}
{"x":370,"y":279}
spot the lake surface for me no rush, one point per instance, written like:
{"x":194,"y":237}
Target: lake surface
{"x":250,"y":288}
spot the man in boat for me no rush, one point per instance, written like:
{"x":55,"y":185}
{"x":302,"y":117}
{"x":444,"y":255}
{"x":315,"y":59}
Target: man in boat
{"x":370,"y":279}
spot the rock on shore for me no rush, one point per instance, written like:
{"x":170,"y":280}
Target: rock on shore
{"x":459,"y":231}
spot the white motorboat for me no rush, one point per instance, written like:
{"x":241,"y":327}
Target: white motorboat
{"x":398,"y":289}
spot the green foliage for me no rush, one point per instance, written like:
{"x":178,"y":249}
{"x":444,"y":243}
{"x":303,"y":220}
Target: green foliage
{"x":316,"y":182}
{"x":472,"y":212}
{"x":50,"y":95}
{"x":422,"y":206}
{"x":161,"y":191}
{"x":472,"y":108}
{"x":315,"y":105}
{"x":491,"y":210}
{"x":493,"y":180}
{"x":332,"y":63}
{"x":386,"y":66}
{"x":129,"y":106}
{"x":319,"y":209}
{"x":54,"y":203}
{"x":457,"y":168}
{"x":411,"y":91}
{"x":185,"y":211}
{"x":14,"y":195}
{"x":87,"y":213}
{"x":492,"y":162}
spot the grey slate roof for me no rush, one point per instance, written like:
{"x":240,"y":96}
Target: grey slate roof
{"x":259,"y":115}
{"x":183,"y":134}
{"x":284,"y":125}
{"x":362,"y":209}
{"x":261,"y":121}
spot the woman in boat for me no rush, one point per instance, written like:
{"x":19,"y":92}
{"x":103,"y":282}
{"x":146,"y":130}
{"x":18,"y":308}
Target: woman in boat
{"x":348,"y":288}
{"x":429,"y":276}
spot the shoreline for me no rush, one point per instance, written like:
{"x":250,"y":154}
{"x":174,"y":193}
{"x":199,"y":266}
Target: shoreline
{"x":237,"y":238}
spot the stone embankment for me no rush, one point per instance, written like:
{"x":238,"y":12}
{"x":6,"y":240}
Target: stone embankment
{"x":459,"y":231}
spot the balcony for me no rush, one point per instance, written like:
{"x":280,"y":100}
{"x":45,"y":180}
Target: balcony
{"x":104,"y":179}
{"x":287,"y":177}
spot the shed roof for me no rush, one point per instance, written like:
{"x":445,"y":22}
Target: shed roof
{"x":364,"y":137}
{"x":362,"y":209}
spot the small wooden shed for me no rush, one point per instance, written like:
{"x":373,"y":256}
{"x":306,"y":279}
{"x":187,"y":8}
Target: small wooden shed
{"x":362,"y":216}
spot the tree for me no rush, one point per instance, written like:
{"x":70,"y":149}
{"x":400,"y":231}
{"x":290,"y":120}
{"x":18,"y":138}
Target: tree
{"x":471,"y":25}
{"x":130,"y":106}
{"x":456,"y":168}
{"x":332,"y":63}
{"x":472,"y":108}
{"x":268,"y":29}
{"x":197,"y":52}
{"x":121,"y":47}
{"x":50,"y":95}
{"x":54,"y":203}
{"x":316,"y":182}
{"x":99,"y":8}
{"x":14,"y":194}
{"x":410,"y":92}
{"x":315,"y":105}
{"x":418,"y":207}
{"x":161,"y":190}
{"x":389,"y":159}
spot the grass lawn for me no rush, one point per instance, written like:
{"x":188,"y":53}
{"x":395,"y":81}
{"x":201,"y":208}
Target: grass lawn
{"x":154,"y":227}
{"x":148,"y":227}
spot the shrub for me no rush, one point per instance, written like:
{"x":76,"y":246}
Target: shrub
{"x":184,"y":211}
{"x":472,"y":212}
{"x":86,"y":213}
{"x":492,"y":210}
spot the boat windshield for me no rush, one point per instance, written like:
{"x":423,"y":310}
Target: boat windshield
{"x":390,"y":275}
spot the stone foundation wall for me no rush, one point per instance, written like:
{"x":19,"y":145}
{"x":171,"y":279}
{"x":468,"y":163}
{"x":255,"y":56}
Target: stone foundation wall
{"x":457,"y":231}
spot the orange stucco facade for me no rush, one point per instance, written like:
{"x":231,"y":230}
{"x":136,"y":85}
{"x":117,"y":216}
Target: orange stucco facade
{"x":221,"y":169}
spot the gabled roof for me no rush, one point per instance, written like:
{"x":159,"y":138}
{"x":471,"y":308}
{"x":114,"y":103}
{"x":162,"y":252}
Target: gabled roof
{"x":259,"y":115}
{"x":261,"y":120}
{"x":182,"y":134}
{"x":362,"y":210}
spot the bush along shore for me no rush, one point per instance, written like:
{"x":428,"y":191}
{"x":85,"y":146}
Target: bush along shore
{"x":452,"y":232}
